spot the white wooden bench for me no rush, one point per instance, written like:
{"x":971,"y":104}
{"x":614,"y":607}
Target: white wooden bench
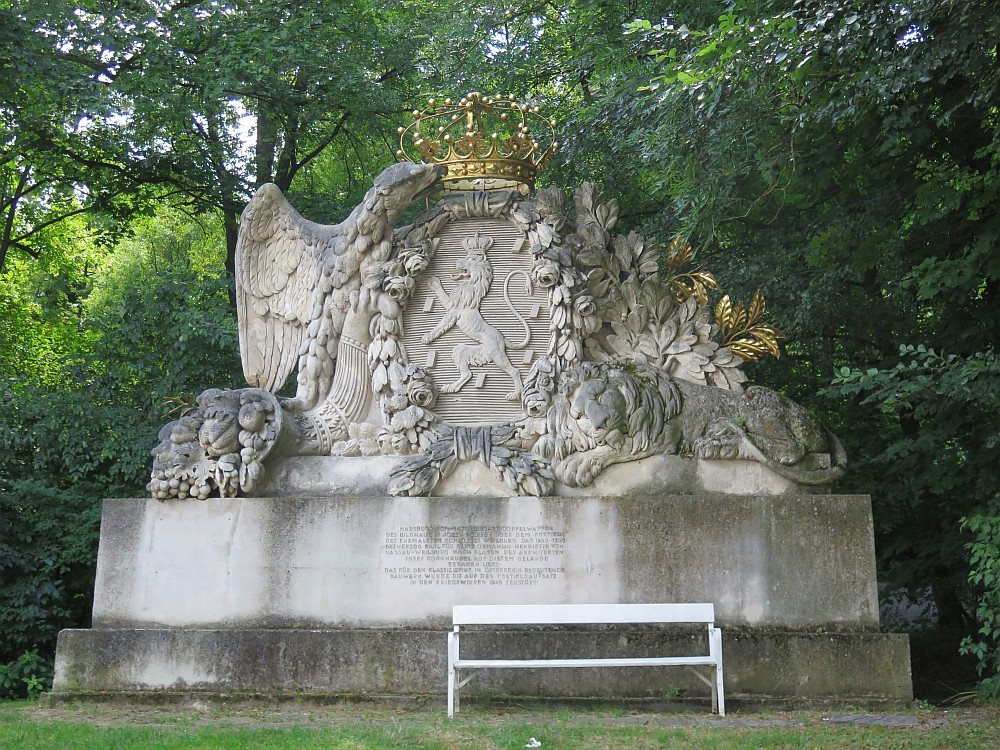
{"x":586,"y":614}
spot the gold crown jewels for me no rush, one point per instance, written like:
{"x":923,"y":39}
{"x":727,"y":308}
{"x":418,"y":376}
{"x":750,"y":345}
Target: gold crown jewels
{"x":455,"y":134}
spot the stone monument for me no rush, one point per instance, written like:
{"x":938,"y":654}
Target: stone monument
{"x":502,"y":402}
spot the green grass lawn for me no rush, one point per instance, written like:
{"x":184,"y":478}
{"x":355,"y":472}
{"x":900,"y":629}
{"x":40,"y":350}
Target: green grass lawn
{"x":24,"y":726}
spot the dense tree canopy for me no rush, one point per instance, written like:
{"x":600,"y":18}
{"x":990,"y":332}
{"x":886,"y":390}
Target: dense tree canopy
{"x":840,"y":155}
{"x":845,"y":156}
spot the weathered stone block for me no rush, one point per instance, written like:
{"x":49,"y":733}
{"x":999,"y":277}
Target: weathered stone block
{"x":796,"y":562}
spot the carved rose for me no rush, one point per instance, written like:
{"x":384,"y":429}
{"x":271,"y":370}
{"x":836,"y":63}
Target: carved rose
{"x":547,"y":274}
{"x":420,"y":393}
{"x":414,"y":263}
{"x":586,"y":305}
{"x":536,"y":404}
{"x":398,"y":287}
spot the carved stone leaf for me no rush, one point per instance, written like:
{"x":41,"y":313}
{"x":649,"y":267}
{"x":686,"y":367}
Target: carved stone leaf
{"x":389,"y":350}
{"x":396,"y":375}
{"x":635,"y":321}
{"x":729,"y":376}
{"x":401,"y":484}
{"x":441,"y":450}
{"x":568,"y":349}
{"x":546,"y":234}
{"x":524,"y":217}
{"x":623,"y":250}
{"x":530,"y":486}
{"x":590,"y":256}
{"x":380,"y":377}
{"x":630,"y":296}
{"x":598,"y":284}
{"x":691,"y":366}
{"x":682,"y":344}
{"x":666,"y":334}
{"x":584,"y":199}
{"x":649,"y":348}
{"x":607,"y":214}
{"x":595,"y":239}
{"x":596,"y":351}
{"x":647,"y":265}
{"x":550,"y":201}
{"x":665,"y":304}
{"x":448,"y":466}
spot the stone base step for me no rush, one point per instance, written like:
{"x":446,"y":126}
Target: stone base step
{"x":276,"y":662}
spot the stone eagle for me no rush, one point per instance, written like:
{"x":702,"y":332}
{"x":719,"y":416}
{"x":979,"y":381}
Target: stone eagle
{"x":295,"y":279}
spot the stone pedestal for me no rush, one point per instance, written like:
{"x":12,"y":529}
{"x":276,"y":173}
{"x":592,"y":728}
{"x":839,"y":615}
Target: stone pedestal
{"x":354,"y":594}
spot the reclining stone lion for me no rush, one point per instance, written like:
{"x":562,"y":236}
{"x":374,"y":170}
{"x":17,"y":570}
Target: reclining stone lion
{"x":601,"y":414}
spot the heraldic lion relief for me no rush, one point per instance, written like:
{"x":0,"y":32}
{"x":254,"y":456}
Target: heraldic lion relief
{"x":607,"y":414}
{"x":474,"y":277}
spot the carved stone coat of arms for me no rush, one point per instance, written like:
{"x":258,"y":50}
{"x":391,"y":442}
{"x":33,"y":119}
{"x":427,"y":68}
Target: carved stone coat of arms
{"x":503,"y":325}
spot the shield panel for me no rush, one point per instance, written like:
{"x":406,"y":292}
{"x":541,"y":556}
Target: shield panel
{"x":485,"y":397}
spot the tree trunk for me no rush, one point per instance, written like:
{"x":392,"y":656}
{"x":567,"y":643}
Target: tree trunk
{"x":265,"y":147}
{"x":230,"y":220}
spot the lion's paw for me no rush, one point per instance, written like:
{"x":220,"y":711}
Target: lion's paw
{"x":727,"y":447}
{"x":580,"y":469}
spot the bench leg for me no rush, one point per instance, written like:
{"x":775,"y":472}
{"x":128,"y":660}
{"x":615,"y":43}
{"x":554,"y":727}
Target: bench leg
{"x":452,"y":677}
{"x":718,"y":677}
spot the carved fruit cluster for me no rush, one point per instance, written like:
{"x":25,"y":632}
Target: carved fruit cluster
{"x":217,"y":448}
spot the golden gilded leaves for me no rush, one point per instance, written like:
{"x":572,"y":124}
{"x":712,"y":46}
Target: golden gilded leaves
{"x":679,"y":254}
{"x":741,"y":327}
{"x":694,"y":283}
{"x":742,"y":330}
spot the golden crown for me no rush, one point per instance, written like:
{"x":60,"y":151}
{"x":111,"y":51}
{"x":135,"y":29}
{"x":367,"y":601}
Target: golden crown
{"x":455,"y":134}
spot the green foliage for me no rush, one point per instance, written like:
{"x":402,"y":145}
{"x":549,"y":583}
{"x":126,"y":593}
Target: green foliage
{"x":941,"y":425}
{"x":29,"y":676}
{"x":985,"y":575}
{"x":152,"y":322}
{"x":842,"y":156}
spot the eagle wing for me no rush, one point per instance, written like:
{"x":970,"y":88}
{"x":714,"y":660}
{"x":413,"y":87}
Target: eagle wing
{"x":280,"y":257}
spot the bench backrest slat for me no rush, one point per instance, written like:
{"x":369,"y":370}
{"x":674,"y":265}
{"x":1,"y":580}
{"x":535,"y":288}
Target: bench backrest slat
{"x":579,"y":614}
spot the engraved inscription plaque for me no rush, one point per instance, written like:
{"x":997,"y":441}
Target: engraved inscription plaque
{"x":474,"y":555}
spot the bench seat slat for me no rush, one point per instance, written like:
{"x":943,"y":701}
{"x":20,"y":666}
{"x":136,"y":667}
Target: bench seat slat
{"x":659,"y":661}
{"x":581,"y":614}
